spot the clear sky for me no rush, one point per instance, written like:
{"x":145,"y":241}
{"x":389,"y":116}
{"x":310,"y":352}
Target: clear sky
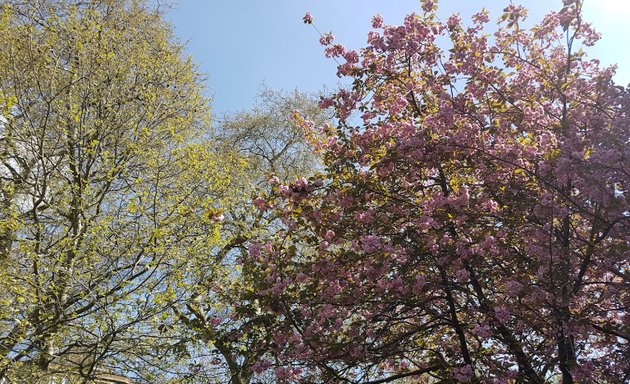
{"x":241,"y":44}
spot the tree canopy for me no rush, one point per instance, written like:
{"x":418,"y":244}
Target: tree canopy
{"x":463,"y":215}
{"x":105,"y":184}
{"x":472,"y":220}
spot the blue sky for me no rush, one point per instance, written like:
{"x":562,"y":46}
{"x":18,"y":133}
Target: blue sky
{"x":241,"y":44}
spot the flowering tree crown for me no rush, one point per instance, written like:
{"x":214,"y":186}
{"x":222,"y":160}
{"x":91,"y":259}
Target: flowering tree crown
{"x":472,"y":222}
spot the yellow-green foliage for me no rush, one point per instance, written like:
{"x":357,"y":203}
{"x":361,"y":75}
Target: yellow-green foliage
{"x":109,"y":189}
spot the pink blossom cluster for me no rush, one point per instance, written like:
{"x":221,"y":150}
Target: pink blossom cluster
{"x":475,"y":226}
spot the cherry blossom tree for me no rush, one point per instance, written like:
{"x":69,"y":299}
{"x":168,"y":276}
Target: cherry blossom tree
{"x":472,"y":223}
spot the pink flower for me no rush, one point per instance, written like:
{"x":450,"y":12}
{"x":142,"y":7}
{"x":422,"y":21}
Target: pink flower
{"x":260,"y":366}
{"x":386,"y":169}
{"x":453,"y":21}
{"x":282,"y":373}
{"x":377,"y":21}
{"x":284,"y":189}
{"x":334,"y":50}
{"x":260,"y":203}
{"x":427,"y":5}
{"x":482,"y":331}
{"x":346,"y":201}
{"x":513,"y":288}
{"x":370,"y":243}
{"x":325,"y":102}
{"x":308,"y":18}
{"x":419,"y":283}
{"x":375,"y":39}
{"x":254,"y":249}
{"x":400,"y":104}
{"x":481,"y":17}
{"x":279,"y":286}
{"x":502,"y":315}
{"x":462,"y":374}
{"x":462,"y":275}
{"x":327,"y":39}
{"x":364,"y":217}
{"x":351,"y":57}
{"x":301,"y":182}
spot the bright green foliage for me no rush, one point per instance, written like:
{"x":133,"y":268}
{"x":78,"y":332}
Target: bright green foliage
{"x":107,"y":194}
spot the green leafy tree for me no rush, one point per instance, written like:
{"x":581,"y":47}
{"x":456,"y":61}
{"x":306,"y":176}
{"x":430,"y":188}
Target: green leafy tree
{"x":106,"y":189}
